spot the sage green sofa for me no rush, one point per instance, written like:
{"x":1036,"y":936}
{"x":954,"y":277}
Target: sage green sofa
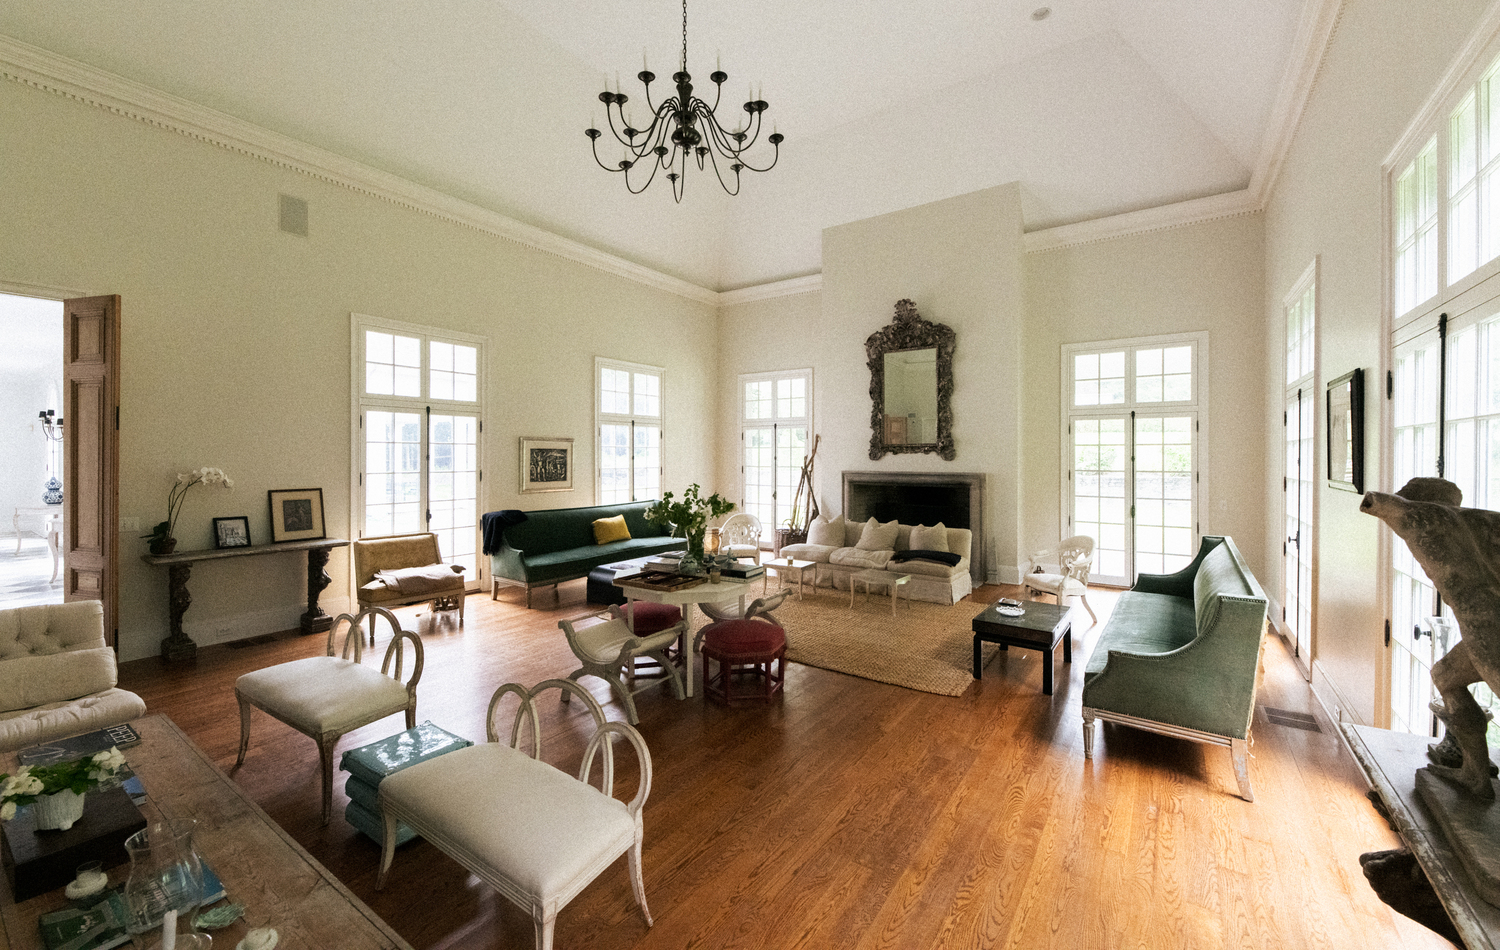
{"x":1180,"y":656}
{"x":557,"y":544}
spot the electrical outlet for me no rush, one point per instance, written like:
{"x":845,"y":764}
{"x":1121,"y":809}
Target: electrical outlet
{"x":129,"y":524}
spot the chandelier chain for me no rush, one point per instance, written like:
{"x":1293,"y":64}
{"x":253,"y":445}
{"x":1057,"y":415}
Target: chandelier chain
{"x":684,"y":35}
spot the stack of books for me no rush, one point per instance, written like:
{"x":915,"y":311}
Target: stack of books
{"x":368,"y":765}
{"x":743,"y":570}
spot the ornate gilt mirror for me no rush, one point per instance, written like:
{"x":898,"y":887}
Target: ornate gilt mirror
{"x":911,"y":385}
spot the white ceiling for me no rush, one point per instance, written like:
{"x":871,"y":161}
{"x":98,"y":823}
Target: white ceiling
{"x":1103,"y":107}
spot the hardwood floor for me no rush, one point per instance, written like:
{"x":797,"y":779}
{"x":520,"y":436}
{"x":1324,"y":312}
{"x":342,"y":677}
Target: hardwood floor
{"x":856,"y":814}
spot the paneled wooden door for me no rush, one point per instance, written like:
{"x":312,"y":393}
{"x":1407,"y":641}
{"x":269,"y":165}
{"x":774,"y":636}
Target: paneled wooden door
{"x":91,"y":454}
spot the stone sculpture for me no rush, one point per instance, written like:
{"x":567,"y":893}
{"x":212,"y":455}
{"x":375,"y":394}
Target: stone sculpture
{"x":1459,"y":548}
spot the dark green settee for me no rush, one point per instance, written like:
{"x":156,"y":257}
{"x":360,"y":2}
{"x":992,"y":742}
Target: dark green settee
{"x":557,"y":544}
{"x":1181,"y":655}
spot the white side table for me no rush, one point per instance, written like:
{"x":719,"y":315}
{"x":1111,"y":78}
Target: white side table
{"x":33,"y":520}
{"x":872,"y":579}
{"x":792,"y":568}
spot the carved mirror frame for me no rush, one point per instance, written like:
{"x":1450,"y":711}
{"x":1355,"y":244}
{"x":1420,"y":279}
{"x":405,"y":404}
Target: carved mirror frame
{"x":908,"y":331}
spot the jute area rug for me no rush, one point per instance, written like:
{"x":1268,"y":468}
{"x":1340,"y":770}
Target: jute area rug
{"x":927,"y":647}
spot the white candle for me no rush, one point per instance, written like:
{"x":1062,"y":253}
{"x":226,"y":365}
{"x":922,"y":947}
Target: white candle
{"x":169,"y":930}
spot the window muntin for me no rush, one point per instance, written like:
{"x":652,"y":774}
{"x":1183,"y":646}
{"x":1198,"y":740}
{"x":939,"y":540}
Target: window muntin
{"x":628,"y":409}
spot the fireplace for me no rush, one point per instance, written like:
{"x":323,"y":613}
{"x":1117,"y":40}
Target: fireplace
{"x":956,"y":499}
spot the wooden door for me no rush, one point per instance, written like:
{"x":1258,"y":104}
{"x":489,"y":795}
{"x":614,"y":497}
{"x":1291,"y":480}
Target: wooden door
{"x":91,"y":453}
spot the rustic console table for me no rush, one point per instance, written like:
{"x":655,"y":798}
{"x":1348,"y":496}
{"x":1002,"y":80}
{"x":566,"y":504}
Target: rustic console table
{"x":179,"y":646}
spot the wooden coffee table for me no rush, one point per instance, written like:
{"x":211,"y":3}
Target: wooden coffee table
{"x":262,"y":867}
{"x":1039,"y":628}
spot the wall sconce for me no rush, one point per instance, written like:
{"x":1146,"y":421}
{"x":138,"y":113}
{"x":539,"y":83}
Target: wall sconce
{"x":52,"y":425}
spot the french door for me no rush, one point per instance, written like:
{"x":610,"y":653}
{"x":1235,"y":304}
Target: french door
{"x":1300,"y":475}
{"x":1134,"y":490}
{"x":775,"y":418}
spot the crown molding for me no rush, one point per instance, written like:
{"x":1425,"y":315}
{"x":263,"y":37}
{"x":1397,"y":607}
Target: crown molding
{"x":792,"y":287}
{"x":42,"y":291}
{"x":46,"y":71}
{"x":1163,"y":218}
{"x":1315,"y":30}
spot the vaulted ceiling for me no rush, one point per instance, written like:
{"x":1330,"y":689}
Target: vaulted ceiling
{"x":1101,"y":107}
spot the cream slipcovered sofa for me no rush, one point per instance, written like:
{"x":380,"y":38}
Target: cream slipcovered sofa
{"x":842,"y":548}
{"x":57,"y":676}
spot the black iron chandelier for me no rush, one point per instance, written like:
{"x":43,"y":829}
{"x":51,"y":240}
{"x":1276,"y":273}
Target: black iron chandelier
{"x":683,"y":125}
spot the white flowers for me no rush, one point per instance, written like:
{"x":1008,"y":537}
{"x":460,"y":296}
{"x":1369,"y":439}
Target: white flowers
{"x":35,"y":781}
{"x":206,"y":476}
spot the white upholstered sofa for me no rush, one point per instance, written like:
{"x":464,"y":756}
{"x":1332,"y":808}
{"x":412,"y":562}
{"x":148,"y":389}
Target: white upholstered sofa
{"x":57,"y":676}
{"x":843,"y":548}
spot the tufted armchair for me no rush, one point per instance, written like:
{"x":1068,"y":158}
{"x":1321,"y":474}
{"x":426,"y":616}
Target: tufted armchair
{"x":57,"y":676}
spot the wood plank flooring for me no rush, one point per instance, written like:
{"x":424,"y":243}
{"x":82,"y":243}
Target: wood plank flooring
{"x":853,"y":814}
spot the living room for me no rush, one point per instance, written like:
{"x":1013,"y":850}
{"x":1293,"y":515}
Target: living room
{"x":237,"y":338}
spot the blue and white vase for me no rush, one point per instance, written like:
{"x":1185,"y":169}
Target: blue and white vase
{"x":53,"y":495}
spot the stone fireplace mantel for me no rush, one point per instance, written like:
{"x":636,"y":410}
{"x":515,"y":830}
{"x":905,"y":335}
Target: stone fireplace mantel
{"x":954,"y":498}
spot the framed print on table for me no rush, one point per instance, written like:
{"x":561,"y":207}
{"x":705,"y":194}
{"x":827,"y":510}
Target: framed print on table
{"x":296,"y":514}
{"x":546,"y":465}
{"x":1346,"y":432}
{"x":232,"y":532}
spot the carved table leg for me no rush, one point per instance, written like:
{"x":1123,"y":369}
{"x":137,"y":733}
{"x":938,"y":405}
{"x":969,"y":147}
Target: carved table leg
{"x":316,"y":620}
{"x":1398,"y":880}
{"x":179,"y":646}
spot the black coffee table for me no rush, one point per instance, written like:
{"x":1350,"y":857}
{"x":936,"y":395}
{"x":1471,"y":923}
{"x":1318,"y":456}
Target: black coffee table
{"x":1039,"y":628}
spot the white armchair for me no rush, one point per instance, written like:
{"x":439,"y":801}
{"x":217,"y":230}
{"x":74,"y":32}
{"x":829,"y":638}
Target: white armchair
{"x":740,"y":536}
{"x":1073,"y":558}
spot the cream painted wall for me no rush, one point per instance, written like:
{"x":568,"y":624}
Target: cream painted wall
{"x":1386,"y":57}
{"x":236,"y":349}
{"x":1201,"y":277}
{"x":959,"y":260}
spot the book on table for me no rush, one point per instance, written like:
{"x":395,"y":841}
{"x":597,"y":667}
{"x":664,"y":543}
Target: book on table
{"x":72,"y":748}
{"x":375,"y":761}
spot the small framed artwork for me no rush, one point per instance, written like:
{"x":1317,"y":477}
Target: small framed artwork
{"x":296,"y":514}
{"x":1346,"y":432}
{"x":232,"y":532}
{"x":546,"y":465}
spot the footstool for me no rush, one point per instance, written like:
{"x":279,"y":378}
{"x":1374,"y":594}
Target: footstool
{"x":744,"y":647}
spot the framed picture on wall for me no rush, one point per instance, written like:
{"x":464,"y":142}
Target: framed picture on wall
{"x":1346,"y":432}
{"x":296,"y":514}
{"x":546,"y":465}
{"x":232,"y":532}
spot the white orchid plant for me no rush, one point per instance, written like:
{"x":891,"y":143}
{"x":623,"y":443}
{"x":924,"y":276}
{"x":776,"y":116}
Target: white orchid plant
{"x":35,"y":781}
{"x":178,"y":494}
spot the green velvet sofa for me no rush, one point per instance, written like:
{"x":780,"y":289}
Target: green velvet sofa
{"x":1180,"y":656}
{"x":557,"y":544}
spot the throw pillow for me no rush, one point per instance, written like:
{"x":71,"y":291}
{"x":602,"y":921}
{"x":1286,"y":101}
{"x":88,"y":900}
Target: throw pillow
{"x":28,"y":681}
{"x":878,"y":537}
{"x":924,"y":538}
{"x":611,"y":529}
{"x":827,"y":533}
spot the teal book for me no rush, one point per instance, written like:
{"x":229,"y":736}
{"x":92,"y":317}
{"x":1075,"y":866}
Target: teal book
{"x":372,"y":826}
{"x":95,"y":927}
{"x":389,"y":756}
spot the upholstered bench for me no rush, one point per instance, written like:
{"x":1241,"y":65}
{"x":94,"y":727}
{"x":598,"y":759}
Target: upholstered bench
{"x":530,"y":831}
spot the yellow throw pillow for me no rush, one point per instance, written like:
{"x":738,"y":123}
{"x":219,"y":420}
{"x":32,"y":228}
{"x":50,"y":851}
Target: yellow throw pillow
{"x":611,"y":529}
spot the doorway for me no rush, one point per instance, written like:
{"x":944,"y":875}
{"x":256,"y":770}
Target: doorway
{"x":32,"y":420}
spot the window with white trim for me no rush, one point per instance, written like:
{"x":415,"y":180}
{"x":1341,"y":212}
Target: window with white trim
{"x":418,"y":418}
{"x":1131,"y":469}
{"x":629,"y":421}
{"x":775,"y":422}
{"x":1299,"y":468}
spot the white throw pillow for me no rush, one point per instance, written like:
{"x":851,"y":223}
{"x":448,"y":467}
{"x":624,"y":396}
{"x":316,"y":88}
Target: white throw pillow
{"x":879,"y":537}
{"x":924,"y":538}
{"x":829,"y":533}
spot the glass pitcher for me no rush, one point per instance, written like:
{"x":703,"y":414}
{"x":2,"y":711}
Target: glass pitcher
{"x":165,"y":887}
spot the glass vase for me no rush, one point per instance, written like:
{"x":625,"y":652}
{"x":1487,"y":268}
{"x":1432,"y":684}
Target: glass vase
{"x":165,"y":888}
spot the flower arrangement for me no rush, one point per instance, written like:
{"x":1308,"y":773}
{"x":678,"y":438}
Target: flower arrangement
{"x":163,"y":536}
{"x":32,"y":782}
{"x":689,"y":516}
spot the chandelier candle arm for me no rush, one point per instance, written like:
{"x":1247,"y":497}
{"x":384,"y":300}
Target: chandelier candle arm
{"x":691,"y":125}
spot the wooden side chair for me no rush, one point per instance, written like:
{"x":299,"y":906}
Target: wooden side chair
{"x":325,"y":697}
{"x":526,"y":828}
{"x":609,"y":651}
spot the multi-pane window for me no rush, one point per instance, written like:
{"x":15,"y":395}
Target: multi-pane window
{"x":1131,"y":471}
{"x":1474,"y":179}
{"x":1416,"y":215}
{"x":1300,"y":322}
{"x":419,"y":423}
{"x":629,"y":415}
{"x":1299,"y":471}
{"x":775,"y":419}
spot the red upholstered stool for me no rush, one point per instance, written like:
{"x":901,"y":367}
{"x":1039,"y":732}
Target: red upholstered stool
{"x":650,"y":618}
{"x":745,"y":647}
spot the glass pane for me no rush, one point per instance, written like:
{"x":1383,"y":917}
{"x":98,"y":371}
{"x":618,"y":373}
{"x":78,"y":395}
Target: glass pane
{"x":647,"y":396}
{"x":647,"y":462}
{"x":614,"y":392}
{"x":758,"y":400}
{"x":1099,"y":457}
{"x":1099,"y":379}
{"x":614,"y":464}
{"x":452,"y":374}
{"x":1163,"y":493}
{"x":453,"y":489}
{"x":393,"y":451}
